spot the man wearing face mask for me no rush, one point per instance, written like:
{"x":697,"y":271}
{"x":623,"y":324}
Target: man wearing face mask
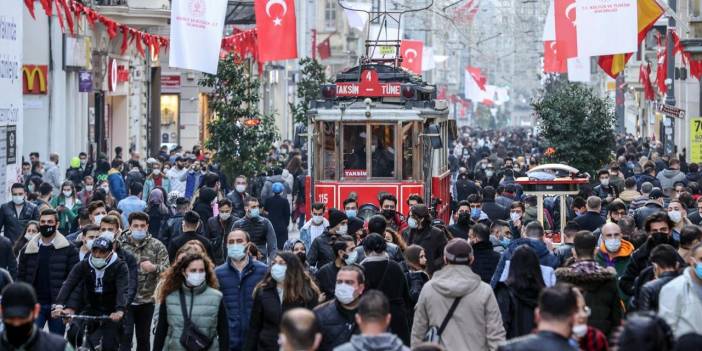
{"x":96,"y":286}
{"x":680,"y":304}
{"x":15,"y":214}
{"x":88,"y":236}
{"x":153,"y":260}
{"x":260,"y":229}
{"x":653,"y":205}
{"x":20,"y":310}
{"x":336,"y":318}
{"x":388,"y":208}
{"x":346,"y":254}
{"x":238,"y":196}
{"x":461,"y":224}
{"x":45,"y":263}
{"x":238,"y":277}
{"x":557,"y":313}
{"x":191,"y":222}
{"x":316,"y":225}
{"x":218,"y":226}
{"x":680,"y":221}
{"x":176,"y":175}
{"x":321,"y":251}
{"x":88,"y":190}
{"x":430,"y":238}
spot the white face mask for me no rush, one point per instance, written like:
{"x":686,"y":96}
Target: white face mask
{"x":344,"y":293}
{"x":98,"y":218}
{"x":157,"y":171}
{"x":88,"y":188}
{"x":195,"y":279}
{"x":342,"y":229}
{"x":514,"y":216}
{"x":224,"y":215}
{"x":68,"y":193}
{"x":675,"y":216}
{"x":317,"y":220}
{"x":579,"y":330}
{"x":240,"y":188}
{"x":108,"y":235}
{"x":604,"y":182}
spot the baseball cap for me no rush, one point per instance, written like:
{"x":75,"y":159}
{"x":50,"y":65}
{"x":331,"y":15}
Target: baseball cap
{"x":458,"y":251}
{"x":103,"y":244}
{"x":656,"y":193}
{"x":18,"y":300}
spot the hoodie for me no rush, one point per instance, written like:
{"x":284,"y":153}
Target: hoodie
{"x":669,"y":177}
{"x":546,"y":257}
{"x":628,"y":196}
{"x":100,"y":272}
{"x":382,"y":342}
{"x":475,"y":325}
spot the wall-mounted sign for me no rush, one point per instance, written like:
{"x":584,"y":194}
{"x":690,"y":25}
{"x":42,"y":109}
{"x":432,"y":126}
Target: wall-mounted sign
{"x":35,"y":79}
{"x":122,"y":74}
{"x":111,"y":74}
{"x":170,"y":81}
{"x":85,"y":82}
{"x":77,"y":52}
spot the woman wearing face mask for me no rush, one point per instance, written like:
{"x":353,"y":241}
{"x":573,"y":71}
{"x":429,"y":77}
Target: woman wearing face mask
{"x":156,"y":178}
{"x":297,"y":247}
{"x":189,"y":292}
{"x":157,"y":210}
{"x":677,"y":214}
{"x":67,"y":205}
{"x":431,"y":239}
{"x":416,"y":262}
{"x":387,"y":276}
{"x":345,"y":254}
{"x":30,"y":231}
{"x":285,"y":286}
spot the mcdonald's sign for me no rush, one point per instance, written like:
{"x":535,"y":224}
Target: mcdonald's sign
{"x":35,"y":79}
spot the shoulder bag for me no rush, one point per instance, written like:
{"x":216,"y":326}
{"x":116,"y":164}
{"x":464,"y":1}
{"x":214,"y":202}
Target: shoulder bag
{"x":192,"y":338}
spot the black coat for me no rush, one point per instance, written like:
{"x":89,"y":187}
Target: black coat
{"x":62,"y":257}
{"x":266,"y":314}
{"x":486,"y":260}
{"x":216,"y":231}
{"x":432,"y":240}
{"x":7,"y":257}
{"x":590,"y":221}
{"x":78,"y":292}
{"x":321,"y":252}
{"x":180,"y":240}
{"x":204,"y":210}
{"x":638,"y":262}
{"x":388,"y":277}
{"x":237,"y":200}
{"x":416,"y":281}
{"x":278,"y":209}
{"x":336,"y":324}
{"x":326,"y":279}
{"x":157,"y":219}
{"x":459,"y":231}
{"x":517,"y":309}
{"x":648,"y":296}
{"x":641,"y":213}
{"x":541,"y":341}
{"x":495,"y":211}
{"x":14,"y":225}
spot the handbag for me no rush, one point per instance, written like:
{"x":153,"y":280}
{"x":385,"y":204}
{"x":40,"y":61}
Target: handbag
{"x":192,"y":338}
{"x":434,"y":334}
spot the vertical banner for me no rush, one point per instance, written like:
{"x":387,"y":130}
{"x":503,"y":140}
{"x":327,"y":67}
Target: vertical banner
{"x":276,"y":28}
{"x":696,"y":139}
{"x":11,"y":88}
{"x":566,"y":30}
{"x":579,"y":69}
{"x":196,"y":34}
{"x":607,"y":27}
{"x":412,"y":52}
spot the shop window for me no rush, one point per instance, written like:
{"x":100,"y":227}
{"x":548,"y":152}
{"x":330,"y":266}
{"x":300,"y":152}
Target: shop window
{"x":382,"y":151}
{"x":170,"y":118}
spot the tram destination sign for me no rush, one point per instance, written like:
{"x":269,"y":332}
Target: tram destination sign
{"x":369,"y":86}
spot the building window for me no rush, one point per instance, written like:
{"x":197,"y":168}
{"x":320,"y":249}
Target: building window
{"x":330,"y":14}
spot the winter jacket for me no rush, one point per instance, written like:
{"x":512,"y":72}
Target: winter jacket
{"x":39,"y":341}
{"x":118,"y":188}
{"x":393,"y":251}
{"x":432,"y":240}
{"x":517,"y":309}
{"x":278,"y":209}
{"x":96,"y":291}
{"x":192,"y":182}
{"x":618,"y":260}
{"x":267,"y":192}
{"x":216,"y":232}
{"x":180,"y":240}
{"x":8,"y":261}
{"x":546,"y":258}
{"x":306,"y":232}
{"x":262,"y":234}
{"x":62,"y":257}
{"x":599,"y":287}
{"x":476,"y":325}
{"x":386,"y":275}
{"x":485,"y":260}
{"x":237,"y":200}
{"x":590,"y":221}
{"x":12,"y":223}
{"x":203,"y":203}
{"x":150,"y":184}
{"x":148,"y":249}
{"x":208,"y":315}
{"x":459,"y":230}
{"x":628,"y":196}
{"x":66,"y":217}
{"x":326,"y":279}
{"x":129,"y":205}
{"x":540,"y":341}
{"x":416,"y":281}
{"x":336,"y":324}
{"x":321,"y":251}
{"x":237,"y":290}
{"x":680,"y":304}
{"x":648,"y":296}
{"x":669,"y":177}
{"x":638,"y":262}
{"x":266,"y":314}
{"x":52,"y":175}
{"x":495,"y":211}
{"x":651,"y":207}
{"x":382,"y":342}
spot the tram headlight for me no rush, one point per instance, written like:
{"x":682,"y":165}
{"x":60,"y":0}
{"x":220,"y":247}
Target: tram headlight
{"x":408,"y":92}
{"x":368,"y":103}
{"x":329,"y":91}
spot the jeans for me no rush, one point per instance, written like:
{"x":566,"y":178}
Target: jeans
{"x":142,"y":315}
{"x":56,"y":326}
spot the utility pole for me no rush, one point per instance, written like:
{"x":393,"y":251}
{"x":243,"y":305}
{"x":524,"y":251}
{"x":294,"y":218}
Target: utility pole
{"x":670,"y":96}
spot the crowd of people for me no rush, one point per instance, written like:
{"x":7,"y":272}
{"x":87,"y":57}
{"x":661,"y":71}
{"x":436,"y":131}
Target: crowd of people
{"x":164,"y":255}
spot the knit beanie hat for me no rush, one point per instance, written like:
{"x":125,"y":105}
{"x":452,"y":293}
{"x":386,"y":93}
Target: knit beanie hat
{"x":336,"y":217}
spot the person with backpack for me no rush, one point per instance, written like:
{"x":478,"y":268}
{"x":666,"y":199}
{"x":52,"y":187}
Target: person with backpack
{"x":277,"y":177}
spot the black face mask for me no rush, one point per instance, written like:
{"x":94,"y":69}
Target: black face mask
{"x":658,"y":238}
{"x":389,"y":214}
{"x":463,"y":218}
{"x":302,"y":256}
{"x":18,"y":335}
{"x":47,"y":230}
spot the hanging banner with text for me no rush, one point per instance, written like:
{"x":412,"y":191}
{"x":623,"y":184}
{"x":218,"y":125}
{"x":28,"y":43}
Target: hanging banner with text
{"x":196,"y":34}
{"x":696,"y":139}
{"x":11,"y":88}
{"x":606,"y":27}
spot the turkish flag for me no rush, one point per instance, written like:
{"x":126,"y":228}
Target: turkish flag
{"x":411,"y":52}
{"x":645,"y":79}
{"x":277,"y":30}
{"x":566,"y":33}
{"x":552,"y":63}
{"x":324,"y":48}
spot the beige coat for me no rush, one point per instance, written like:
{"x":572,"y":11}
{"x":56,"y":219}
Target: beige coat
{"x":475,"y":326}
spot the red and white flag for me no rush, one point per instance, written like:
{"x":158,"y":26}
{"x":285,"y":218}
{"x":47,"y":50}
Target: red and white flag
{"x":475,"y":84}
{"x":552,"y":62}
{"x":566,"y":33}
{"x":412,"y":51}
{"x":277,"y":30}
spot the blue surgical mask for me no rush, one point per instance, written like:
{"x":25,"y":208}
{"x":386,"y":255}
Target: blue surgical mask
{"x":237,"y":252}
{"x":278,"y":272}
{"x":98,"y":263}
{"x":254,"y":212}
{"x":350,"y":213}
{"x":351,"y":258}
{"x":475,"y":213}
{"x":138,"y":235}
{"x":698,"y":270}
{"x":412,"y":223}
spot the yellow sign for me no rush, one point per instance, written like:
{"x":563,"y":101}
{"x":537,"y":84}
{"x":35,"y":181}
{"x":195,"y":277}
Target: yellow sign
{"x":696,"y":140}
{"x":387,"y":50}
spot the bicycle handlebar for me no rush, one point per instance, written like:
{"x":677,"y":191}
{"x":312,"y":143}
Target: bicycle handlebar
{"x":87,"y":318}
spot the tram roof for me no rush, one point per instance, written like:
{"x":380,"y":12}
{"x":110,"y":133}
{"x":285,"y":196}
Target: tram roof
{"x":356,"y":112}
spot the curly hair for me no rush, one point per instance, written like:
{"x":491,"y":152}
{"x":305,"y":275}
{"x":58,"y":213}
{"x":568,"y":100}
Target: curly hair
{"x":172,"y":279}
{"x":190,"y":247}
{"x":297,"y":286}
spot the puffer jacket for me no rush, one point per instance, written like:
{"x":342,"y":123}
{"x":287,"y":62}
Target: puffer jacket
{"x":62,"y":257}
{"x":680,"y":306}
{"x":118,"y":188}
{"x":337,"y":326}
{"x":476,"y":325}
{"x":78,"y":291}
{"x":669,"y":177}
{"x":12,"y":224}
{"x":208,"y":315}
{"x":238,"y":297}
{"x":546,"y":257}
{"x":416,"y":281}
{"x":599,"y":286}
{"x":486,"y":260}
{"x":382,"y":342}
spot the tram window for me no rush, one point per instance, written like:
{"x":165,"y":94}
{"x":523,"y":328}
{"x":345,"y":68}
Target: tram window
{"x":407,"y":150}
{"x":328,"y":151}
{"x":355,"y":151}
{"x":383,"y":151}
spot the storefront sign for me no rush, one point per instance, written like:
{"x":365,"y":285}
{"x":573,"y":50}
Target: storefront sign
{"x":77,"y":52}
{"x":35,"y":79}
{"x":85,"y":82}
{"x":670,"y":111}
{"x":369,"y":86}
{"x":11,"y":144}
{"x":122,"y":74}
{"x":170,"y":82}
{"x":111,"y":74}
{"x":696,"y":139}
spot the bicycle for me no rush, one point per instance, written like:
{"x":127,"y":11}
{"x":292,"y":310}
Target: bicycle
{"x":87,"y":322}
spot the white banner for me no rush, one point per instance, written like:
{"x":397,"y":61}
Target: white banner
{"x":550,"y":24}
{"x":11,"y":88}
{"x":357,"y":19}
{"x":579,"y":69}
{"x":606,"y":27}
{"x":196,"y":34}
